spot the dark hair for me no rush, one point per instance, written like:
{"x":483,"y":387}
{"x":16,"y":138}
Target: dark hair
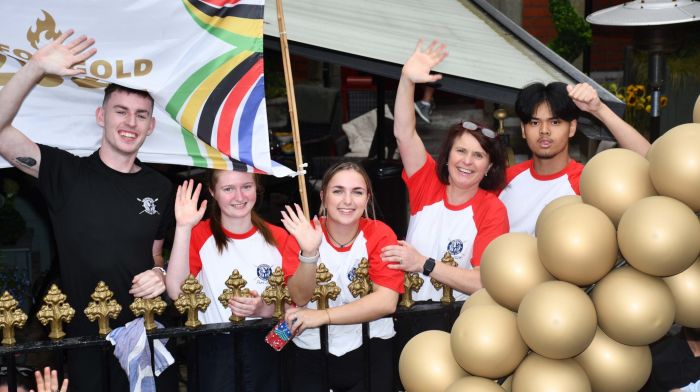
{"x":24,"y":377}
{"x":113,"y":87}
{"x":348,"y":165}
{"x":554,"y":95}
{"x":217,"y":230}
{"x":496,"y":175}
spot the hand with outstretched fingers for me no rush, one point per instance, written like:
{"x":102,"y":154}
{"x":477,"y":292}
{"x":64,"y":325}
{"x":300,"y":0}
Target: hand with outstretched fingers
{"x":48,"y":382}
{"x":309,"y":236}
{"x":417,"y":67}
{"x":60,"y":57}
{"x":187,"y":214}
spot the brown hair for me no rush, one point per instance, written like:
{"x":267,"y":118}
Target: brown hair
{"x":496,"y":175}
{"x":348,"y":165}
{"x":113,"y":87}
{"x":217,"y":230}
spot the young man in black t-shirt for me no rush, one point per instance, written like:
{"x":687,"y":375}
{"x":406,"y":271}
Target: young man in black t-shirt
{"x":109,"y":212}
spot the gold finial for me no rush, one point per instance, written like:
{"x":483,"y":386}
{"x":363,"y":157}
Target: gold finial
{"x":190,"y":300}
{"x":55,"y":311}
{"x":361,"y":285}
{"x":411,"y":282}
{"x":146,"y":307}
{"x":500,"y":115}
{"x":10,"y":317}
{"x":102,"y":307}
{"x":235,"y":288}
{"x":277,"y":293}
{"x":447,"y":297}
{"x":325,"y":289}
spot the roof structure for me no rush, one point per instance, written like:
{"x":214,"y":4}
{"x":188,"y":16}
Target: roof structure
{"x":491,"y":57}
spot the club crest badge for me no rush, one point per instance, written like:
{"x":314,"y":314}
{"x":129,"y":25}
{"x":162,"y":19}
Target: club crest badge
{"x":149,"y":205}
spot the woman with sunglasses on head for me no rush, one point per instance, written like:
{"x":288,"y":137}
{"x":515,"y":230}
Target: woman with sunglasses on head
{"x":340,"y":239}
{"x":234,"y":237}
{"x":451,"y":207}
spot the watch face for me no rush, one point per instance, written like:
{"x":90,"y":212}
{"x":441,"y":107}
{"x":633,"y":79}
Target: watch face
{"x":428,"y":266}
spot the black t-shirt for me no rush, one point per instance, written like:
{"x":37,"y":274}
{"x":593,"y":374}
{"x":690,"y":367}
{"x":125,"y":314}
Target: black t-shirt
{"x":673,"y":364}
{"x":105,"y":223}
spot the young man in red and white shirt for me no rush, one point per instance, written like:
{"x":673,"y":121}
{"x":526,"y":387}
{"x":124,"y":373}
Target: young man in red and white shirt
{"x":549,"y":118}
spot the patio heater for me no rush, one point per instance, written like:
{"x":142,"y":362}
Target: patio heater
{"x":656,"y":24}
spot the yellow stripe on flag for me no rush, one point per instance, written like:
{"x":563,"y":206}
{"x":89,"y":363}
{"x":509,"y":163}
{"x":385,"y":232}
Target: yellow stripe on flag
{"x":240,"y":26}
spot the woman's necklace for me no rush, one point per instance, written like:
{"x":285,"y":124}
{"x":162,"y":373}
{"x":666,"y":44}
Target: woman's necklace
{"x":338,"y":243}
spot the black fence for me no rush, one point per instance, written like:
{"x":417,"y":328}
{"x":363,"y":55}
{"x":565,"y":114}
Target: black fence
{"x":441,"y":317}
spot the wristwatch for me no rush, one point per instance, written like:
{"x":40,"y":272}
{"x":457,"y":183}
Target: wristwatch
{"x":428,"y":266}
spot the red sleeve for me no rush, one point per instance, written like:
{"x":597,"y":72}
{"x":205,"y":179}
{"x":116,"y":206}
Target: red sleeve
{"x":491,"y":220}
{"x":280,"y":235}
{"x":424,"y":187}
{"x":574,"y":173}
{"x":200,"y":233}
{"x":290,"y":257}
{"x":380,"y":235}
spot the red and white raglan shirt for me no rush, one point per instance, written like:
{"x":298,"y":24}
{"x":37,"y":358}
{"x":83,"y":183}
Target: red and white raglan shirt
{"x":342,"y":263}
{"x":436,"y":226}
{"x":526,"y":193}
{"x":248,"y":252}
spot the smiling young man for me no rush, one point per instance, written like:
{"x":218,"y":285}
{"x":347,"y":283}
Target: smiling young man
{"x":549,"y":117}
{"x":109,"y":212}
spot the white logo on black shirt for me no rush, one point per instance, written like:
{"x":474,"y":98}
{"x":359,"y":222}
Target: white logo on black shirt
{"x":149,"y":205}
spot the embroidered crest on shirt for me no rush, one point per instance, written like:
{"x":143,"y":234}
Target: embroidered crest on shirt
{"x":264,"y":272}
{"x":351,"y":273}
{"x":455,"y":247}
{"x":149,"y":205}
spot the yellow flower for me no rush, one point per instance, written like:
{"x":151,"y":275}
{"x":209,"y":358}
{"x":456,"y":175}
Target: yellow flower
{"x":663,"y":101}
{"x":641,"y":90}
{"x":631,"y":100}
{"x":648,"y":108}
{"x":630,"y":89}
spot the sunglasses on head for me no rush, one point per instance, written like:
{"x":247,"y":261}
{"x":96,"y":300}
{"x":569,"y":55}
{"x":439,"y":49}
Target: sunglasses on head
{"x":489,"y":133}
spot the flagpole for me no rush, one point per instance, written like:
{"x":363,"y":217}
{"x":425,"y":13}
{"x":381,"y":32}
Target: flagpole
{"x":289,"y":82}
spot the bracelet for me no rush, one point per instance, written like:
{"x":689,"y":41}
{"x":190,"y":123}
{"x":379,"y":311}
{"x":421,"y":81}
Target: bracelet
{"x":329,"y":316}
{"x":161,"y":269}
{"x":309,"y":259}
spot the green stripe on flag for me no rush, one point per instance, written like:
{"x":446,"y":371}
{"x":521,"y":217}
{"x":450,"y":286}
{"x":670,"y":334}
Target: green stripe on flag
{"x":193,"y":149}
{"x":253,"y":44}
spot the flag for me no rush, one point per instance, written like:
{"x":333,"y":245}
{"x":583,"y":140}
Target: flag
{"x":201,"y":61}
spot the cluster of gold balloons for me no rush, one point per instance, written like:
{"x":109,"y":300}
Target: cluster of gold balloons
{"x":576,"y":307}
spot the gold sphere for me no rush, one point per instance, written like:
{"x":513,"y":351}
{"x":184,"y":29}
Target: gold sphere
{"x":577,"y":243}
{"x":553,"y":205}
{"x":685,"y":289}
{"x":538,"y":374}
{"x":615,"y":367}
{"x":615,"y":179}
{"x":659,"y":235}
{"x":674,"y":164}
{"x":474,"y":384}
{"x":557,"y":320}
{"x":486,"y":342}
{"x":479,"y":297}
{"x":510,"y":267}
{"x":426,"y":363}
{"x":633,"y":308}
